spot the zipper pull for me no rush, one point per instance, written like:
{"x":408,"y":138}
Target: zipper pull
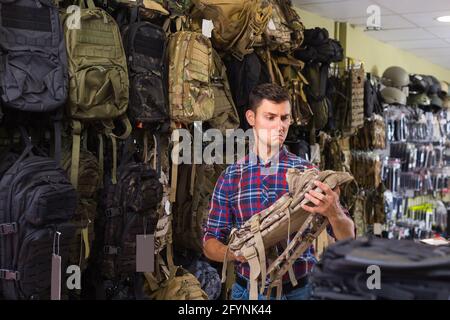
{"x":38,"y":3}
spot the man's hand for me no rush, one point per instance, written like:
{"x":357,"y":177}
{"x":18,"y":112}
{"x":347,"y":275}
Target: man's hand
{"x":329,"y":206}
{"x":325,"y":204}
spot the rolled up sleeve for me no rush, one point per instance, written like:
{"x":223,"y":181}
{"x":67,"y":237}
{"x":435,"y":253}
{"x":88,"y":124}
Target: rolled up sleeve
{"x":219,"y":223}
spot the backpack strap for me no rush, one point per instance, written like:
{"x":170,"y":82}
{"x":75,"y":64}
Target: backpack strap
{"x":108,"y":130}
{"x":58,"y":133}
{"x":90,"y":4}
{"x":101,"y":158}
{"x":76,"y":145}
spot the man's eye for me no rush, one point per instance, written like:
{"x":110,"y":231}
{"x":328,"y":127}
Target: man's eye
{"x":270,"y":118}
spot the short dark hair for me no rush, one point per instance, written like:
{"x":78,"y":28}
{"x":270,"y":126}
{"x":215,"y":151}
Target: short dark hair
{"x":268,"y":91}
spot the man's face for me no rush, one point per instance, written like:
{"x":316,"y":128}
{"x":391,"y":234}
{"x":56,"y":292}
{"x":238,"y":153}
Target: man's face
{"x":271,"y":122}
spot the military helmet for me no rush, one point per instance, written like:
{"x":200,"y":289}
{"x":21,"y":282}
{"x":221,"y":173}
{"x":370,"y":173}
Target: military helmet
{"x":396,"y":77}
{"x":417,"y":84}
{"x":393,"y":96}
{"x":420,"y":99}
{"x":436,"y":101}
{"x":443,"y":92}
{"x":435,"y":85}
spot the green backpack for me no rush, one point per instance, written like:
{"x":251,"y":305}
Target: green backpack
{"x":98,"y":78}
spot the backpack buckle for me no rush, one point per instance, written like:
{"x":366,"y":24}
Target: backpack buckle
{"x":8,"y":228}
{"x":113,"y":212}
{"x":9,"y":275}
{"x":111,"y":250}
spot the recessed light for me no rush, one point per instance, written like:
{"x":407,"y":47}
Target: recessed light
{"x":443,"y":19}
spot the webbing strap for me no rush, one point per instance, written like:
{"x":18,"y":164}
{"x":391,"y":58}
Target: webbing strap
{"x":75,"y":165}
{"x":175,"y":154}
{"x":101,"y":159}
{"x":255,"y":270}
{"x":259,"y":244}
{"x":57,"y":125}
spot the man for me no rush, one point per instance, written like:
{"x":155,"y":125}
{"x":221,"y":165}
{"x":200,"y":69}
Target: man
{"x":244,"y":189}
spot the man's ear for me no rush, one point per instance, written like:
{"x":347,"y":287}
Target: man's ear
{"x":250,"y":116}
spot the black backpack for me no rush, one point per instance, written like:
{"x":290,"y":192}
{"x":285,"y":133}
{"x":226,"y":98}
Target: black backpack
{"x":37,"y":201}
{"x":127,"y":209}
{"x":145,"y":47}
{"x":243,"y":76}
{"x":33,"y":62}
{"x":408,"y":270}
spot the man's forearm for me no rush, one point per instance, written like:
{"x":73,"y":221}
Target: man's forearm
{"x":343,"y":227}
{"x":215,"y":250}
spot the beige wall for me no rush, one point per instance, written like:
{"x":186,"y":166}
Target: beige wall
{"x":376,"y":55}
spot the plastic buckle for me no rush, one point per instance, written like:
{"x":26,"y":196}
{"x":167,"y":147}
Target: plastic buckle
{"x":113,"y":212}
{"x":8,"y":228}
{"x":111,"y":250}
{"x":9,"y":275}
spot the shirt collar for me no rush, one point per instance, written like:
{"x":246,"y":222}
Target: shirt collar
{"x":280,"y":155}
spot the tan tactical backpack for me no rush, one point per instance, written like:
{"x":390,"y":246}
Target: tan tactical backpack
{"x":238,"y":25}
{"x":275,"y":224}
{"x":191,"y":97}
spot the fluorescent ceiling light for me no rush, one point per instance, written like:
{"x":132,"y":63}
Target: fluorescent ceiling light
{"x":443,"y":19}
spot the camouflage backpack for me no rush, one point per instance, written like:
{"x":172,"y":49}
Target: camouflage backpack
{"x":191,"y":97}
{"x":98,"y":78}
{"x":225,"y":114}
{"x":145,"y":47}
{"x":238,"y":25}
{"x":127,"y":209}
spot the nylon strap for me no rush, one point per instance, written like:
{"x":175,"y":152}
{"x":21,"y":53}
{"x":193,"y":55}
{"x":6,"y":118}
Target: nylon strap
{"x":259,"y":244}
{"x":101,"y":159}
{"x":75,"y":165}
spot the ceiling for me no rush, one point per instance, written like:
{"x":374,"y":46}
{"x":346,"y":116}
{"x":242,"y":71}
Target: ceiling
{"x":407,"y":24}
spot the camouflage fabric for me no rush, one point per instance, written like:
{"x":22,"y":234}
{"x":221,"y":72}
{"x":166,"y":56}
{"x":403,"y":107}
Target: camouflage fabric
{"x":191,"y":97}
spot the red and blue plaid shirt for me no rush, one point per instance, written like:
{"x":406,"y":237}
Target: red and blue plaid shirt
{"x":243,"y":190}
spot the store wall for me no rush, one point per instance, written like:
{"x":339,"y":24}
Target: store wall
{"x":376,"y":55}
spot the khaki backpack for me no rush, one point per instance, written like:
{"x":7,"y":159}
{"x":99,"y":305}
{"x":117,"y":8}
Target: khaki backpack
{"x":282,"y":34}
{"x":238,"y":25}
{"x":180,"y":285}
{"x":98,"y":78}
{"x":191,"y":97}
{"x":225,"y":114}
{"x":275,"y":224}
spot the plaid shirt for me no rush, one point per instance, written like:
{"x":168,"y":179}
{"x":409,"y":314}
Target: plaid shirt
{"x":242,"y":191}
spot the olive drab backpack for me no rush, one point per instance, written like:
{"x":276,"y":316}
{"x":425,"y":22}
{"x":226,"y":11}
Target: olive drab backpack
{"x":191,"y":97}
{"x":225,"y":114}
{"x":37,"y":203}
{"x":238,"y":25}
{"x":145,"y":48}
{"x":86,"y":212}
{"x":98,"y":79}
